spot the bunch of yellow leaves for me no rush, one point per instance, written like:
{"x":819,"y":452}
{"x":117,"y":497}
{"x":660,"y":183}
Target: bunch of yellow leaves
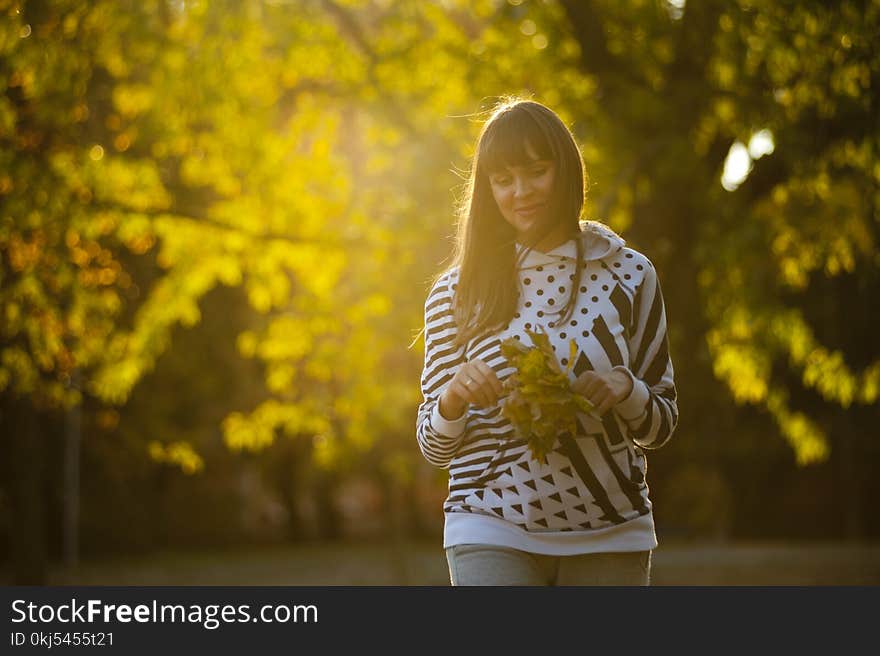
{"x":540,"y":402}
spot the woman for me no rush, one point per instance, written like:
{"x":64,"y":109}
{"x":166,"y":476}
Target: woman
{"x":524,"y":260}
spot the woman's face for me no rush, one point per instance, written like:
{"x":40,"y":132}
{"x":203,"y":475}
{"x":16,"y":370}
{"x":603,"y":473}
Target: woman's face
{"x":524,"y":193}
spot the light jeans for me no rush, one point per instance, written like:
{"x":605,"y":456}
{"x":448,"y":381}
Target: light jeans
{"x":483,"y":564}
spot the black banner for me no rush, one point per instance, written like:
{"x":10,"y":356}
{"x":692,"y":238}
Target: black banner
{"x":170,"y":620}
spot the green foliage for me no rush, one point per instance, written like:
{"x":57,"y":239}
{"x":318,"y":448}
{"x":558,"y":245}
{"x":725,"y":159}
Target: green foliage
{"x":539,"y":401}
{"x":787,"y":267}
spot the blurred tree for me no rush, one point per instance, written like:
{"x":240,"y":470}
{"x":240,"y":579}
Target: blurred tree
{"x":72,"y":202}
{"x":795,"y":334}
{"x":127,"y":126}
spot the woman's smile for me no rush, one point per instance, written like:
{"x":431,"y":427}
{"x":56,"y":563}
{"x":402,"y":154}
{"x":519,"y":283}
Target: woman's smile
{"x":529,"y":210}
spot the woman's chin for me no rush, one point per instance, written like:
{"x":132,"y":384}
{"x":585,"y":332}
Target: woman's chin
{"x":526,"y":228}
{"x":531,"y":229}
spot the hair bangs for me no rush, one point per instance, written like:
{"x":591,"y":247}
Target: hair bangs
{"x":507,"y":138}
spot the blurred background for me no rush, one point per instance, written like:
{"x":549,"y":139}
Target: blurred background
{"x":219,"y":221}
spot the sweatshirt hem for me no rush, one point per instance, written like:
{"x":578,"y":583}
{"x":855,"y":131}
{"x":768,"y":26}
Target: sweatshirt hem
{"x":470,"y":528}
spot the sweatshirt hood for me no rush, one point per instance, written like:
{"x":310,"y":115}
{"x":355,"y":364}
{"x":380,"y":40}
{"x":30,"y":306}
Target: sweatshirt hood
{"x":598,"y":239}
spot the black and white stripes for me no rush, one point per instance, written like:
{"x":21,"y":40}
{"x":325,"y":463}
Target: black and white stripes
{"x":442,"y":359}
{"x":650,"y":363}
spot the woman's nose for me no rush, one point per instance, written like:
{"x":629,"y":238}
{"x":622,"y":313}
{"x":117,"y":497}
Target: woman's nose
{"x":522,"y":186}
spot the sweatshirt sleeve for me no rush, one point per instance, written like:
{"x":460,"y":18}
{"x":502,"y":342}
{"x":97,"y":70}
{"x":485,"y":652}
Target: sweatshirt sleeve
{"x":438,"y":437}
{"x":650,"y":411}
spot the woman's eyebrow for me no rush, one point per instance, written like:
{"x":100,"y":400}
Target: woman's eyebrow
{"x":524,"y":165}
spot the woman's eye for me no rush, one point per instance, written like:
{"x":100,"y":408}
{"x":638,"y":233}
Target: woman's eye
{"x":539,"y":172}
{"x":502,"y":181}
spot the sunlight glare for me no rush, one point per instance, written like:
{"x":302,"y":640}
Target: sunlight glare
{"x":675,"y":8}
{"x":761,"y":144}
{"x":736,"y":167}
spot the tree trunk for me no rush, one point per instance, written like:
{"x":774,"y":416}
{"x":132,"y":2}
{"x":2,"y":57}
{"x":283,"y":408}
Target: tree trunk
{"x":328,"y":519}
{"x":286,"y":471}
{"x":25,"y":461}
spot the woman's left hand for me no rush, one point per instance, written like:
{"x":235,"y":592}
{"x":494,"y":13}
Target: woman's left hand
{"x":604,"y":390}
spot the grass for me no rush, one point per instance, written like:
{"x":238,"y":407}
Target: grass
{"x":424,"y":563}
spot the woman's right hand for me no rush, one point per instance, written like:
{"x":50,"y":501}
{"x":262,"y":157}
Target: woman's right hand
{"x":474,"y":383}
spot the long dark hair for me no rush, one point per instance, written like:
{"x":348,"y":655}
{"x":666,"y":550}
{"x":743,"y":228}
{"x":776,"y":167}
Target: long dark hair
{"x":485,"y":249}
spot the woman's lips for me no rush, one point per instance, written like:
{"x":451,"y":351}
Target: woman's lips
{"x":529,"y":210}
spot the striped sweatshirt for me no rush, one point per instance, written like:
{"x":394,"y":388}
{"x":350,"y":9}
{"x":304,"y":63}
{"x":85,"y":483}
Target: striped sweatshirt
{"x":589,"y":493}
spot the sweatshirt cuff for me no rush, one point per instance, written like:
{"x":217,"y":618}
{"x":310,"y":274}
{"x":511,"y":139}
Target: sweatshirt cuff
{"x":447,"y":427}
{"x":633,"y":407}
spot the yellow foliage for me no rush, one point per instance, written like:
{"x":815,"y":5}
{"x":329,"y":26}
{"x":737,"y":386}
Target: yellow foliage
{"x":179,"y":454}
{"x":823,"y":370}
{"x":132,"y":99}
{"x":280,"y":377}
{"x":258,"y":430}
{"x":869,"y":386}
{"x":326,"y":451}
{"x":809,"y":442}
{"x":319,"y":371}
{"x":745,"y":371}
{"x":827,"y":373}
{"x":247,"y":343}
{"x":113,"y":383}
{"x":239,"y":433}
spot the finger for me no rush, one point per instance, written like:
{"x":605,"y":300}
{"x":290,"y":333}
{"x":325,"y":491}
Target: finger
{"x":587,"y":376}
{"x":478,"y":387}
{"x":457,"y":385}
{"x":590,"y":384}
{"x":488,"y":381}
{"x":470,"y":392}
{"x":491,"y":376}
{"x":482,"y":398}
{"x":602,"y":401}
{"x":461,"y":391}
